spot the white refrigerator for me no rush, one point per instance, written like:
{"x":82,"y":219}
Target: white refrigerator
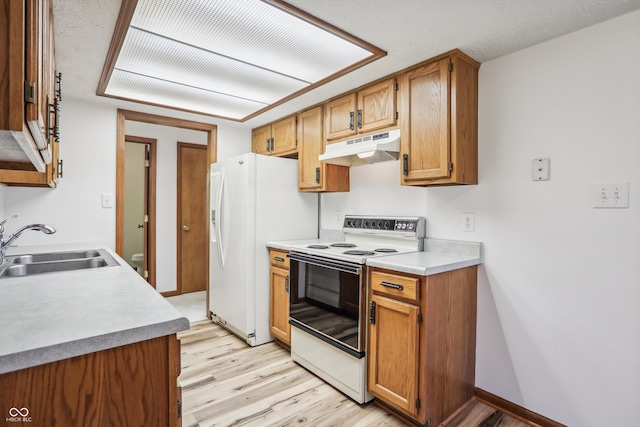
{"x":254,"y":199}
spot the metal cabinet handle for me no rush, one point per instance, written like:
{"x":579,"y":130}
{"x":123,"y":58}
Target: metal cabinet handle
{"x":392,"y":285}
{"x":273,"y":140}
{"x":351,"y":120}
{"x":286,"y":284}
{"x":317,"y":175}
{"x":268,"y":144}
{"x":405,"y":164}
{"x":279,"y":259}
{"x":359,"y":119}
{"x":186,"y":228}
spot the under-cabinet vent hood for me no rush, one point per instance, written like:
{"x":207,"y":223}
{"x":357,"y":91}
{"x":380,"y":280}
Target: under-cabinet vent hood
{"x":363,"y":150}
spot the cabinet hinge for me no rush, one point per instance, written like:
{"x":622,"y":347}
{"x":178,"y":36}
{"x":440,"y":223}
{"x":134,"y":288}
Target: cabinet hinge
{"x":419,"y":318}
{"x":146,"y":274}
{"x":372,"y":312}
{"x":450,"y":66}
{"x":29,"y":92}
{"x":146,"y":218}
{"x":60,"y":165}
{"x":417,"y":403}
{"x":396,"y":115}
{"x":146,"y":163}
{"x":179,"y":408}
{"x":396,"y":86}
{"x":450,"y":166}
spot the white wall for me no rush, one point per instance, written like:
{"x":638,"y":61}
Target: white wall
{"x":559,"y":291}
{"x":88,"y":147}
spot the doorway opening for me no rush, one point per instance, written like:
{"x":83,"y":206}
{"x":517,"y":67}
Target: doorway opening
{"x":140,"y":206}
{"x":124,"y":116}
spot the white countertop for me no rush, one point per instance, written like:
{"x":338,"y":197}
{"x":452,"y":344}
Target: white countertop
{"x":439,"y":256}
{"x":55,"y":316}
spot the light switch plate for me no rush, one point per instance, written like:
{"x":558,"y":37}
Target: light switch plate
{"x":540,"y":170}
{"x":107,"y":200}
{"x":611,"y":195}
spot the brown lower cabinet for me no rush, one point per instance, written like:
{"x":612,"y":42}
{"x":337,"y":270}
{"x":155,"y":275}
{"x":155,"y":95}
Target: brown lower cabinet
{"x":131,"y":385}
{"x":279,"y":279}
{"x":422,"y":342}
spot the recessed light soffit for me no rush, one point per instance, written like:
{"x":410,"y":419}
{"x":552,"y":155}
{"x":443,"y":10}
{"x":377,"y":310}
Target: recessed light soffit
{"x":228,"y":58}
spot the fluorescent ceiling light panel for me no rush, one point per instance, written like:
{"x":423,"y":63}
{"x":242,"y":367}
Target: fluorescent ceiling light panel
{"x":227,"y":58}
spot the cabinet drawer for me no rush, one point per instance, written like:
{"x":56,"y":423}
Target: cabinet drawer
{"x":395,"y":285}
{"x":279,"y":258}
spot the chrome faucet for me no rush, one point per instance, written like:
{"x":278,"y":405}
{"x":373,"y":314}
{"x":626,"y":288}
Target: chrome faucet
{"x":4,"y":245}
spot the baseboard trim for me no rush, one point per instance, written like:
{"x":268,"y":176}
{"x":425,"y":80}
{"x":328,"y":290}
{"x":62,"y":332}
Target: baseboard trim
{"x":169,"y":293}
{"x":514,"y":410}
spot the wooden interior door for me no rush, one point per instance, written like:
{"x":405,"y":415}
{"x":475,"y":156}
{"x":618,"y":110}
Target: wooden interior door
{"x":193,"y":262}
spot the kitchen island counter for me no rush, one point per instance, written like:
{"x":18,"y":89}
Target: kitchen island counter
{"x":439,"y":256}
{"x":55,"y":316}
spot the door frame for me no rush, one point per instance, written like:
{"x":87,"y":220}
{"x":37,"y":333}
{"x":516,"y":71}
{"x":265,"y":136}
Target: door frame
{"x":179,"y":221}
{"x":150,"y":243}
{"x":123,"y":115}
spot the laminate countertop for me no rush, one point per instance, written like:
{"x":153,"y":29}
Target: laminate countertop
{"x":439,"y":256}
{"x":54,"y":316}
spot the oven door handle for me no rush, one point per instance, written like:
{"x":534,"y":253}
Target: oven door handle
{"x":325,"y":262}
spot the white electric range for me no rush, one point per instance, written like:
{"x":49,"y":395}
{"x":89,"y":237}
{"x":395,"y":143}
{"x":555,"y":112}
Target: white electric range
{"x":328,"y":294}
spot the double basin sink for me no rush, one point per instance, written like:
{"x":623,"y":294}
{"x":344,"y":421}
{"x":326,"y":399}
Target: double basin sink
{"x":52,"y":262}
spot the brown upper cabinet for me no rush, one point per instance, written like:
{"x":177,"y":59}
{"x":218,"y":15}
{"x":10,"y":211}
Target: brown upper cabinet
{"x":276,"y":139}
{"x":439,"y":124}
{"x":314,"y":175}
{"x":29,"y":94}
{"x":369,"y":109}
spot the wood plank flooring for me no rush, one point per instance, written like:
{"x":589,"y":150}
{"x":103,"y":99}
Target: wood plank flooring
{"x":227,"y":383}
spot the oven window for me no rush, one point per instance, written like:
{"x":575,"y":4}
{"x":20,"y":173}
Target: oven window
{"x":328,"y":301}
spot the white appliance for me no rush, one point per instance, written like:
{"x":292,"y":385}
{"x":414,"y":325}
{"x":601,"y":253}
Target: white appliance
{"x":254,"y":199}
{"x":328,"y":292}
{"x":363,"y":150}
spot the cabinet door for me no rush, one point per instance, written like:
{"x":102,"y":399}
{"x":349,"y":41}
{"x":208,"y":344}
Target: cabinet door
{"x":311,"y":145}
{"x":283,"y":133}
{"x":261,"y":140}
{"x":425,"y":139}
{"x":393,"y":353}
{"x":340,"y":119}
{"x":377,"y":106}
{"x":37,"y":72}
{"x":279,"y":318}
{"x":314,"y":175}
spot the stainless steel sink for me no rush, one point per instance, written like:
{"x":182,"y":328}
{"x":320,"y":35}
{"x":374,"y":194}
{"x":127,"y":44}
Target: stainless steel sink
{"x":52,"y":256}
{"x":53,"y":262}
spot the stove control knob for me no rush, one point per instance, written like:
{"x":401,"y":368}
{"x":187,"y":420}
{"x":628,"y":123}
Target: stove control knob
{"x":379,"y":224}
{"x":387,"y":224}
{"x":411,"y":225}
{"x":366,"y":223}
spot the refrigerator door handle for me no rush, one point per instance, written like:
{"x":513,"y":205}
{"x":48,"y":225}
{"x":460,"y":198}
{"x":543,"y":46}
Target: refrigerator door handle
{"x":220,"y":220}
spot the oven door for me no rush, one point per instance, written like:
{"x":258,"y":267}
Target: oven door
{"x":324,"y":300}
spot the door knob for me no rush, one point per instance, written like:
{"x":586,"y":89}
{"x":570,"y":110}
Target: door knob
{"x":185,"y":227}
{"x":140,"y":225}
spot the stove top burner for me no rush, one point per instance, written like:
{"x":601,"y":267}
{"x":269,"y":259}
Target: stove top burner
{"x":343,"y":245}
{"x":358,"y":252}
{"x":318,"y":247}
{"x":385,"y":250}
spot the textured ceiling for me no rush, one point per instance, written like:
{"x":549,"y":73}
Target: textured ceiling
{"x":409,"y":30}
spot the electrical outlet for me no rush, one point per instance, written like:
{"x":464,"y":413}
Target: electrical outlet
{"x":468,"y":221}
{"x":611,"y":195}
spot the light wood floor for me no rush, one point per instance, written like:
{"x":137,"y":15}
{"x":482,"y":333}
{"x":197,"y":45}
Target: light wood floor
{"x":227,"y":383}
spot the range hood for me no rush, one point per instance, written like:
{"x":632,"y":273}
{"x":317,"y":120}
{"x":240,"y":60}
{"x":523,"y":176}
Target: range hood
{"x":363,"y":150}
